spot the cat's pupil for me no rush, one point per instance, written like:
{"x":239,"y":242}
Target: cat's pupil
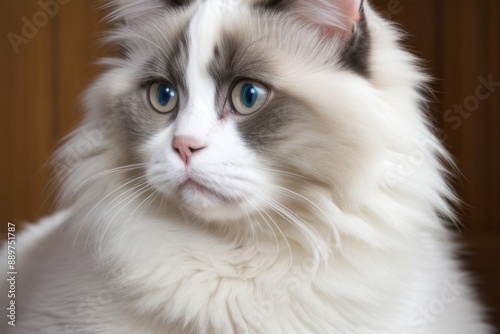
{"x":249,"y":95}
{"x":165,"y":93}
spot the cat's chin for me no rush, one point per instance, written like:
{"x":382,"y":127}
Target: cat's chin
{"x":211,"y":204}
{"x":216,"y":213}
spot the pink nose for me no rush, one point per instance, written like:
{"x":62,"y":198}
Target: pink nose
{"x":186,"y":146}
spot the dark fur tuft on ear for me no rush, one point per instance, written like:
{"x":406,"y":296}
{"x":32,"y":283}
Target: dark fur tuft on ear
{"x":278,"y":5}
{"x":357,"y":51}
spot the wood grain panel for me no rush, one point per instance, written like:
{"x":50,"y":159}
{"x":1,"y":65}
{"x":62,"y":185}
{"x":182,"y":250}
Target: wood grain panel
{"x":469,"y":27}
{"x":78,"y":38}
{"x":29,"y":105}
{"x":43,"y":81}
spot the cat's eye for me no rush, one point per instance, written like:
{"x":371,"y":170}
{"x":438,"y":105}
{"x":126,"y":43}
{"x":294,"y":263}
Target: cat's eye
{"x":163,"y":97}
{"x":248,"y":96}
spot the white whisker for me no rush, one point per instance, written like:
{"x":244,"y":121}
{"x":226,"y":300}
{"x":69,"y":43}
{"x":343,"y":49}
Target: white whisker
{"x":291,"y":217}
{"x":274,"y":233}
{"x":144,"y":188}
{"x":296,"y":195}
{"x":99,"y":202}
{"x":110,"y":171}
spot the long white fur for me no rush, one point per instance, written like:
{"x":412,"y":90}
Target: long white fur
{"x":371,"y":260}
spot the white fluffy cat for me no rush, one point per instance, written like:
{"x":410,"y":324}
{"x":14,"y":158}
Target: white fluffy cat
{"x":249,"y":166}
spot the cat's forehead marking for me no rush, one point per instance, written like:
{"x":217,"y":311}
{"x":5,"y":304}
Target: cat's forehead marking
{"x":205,"y":26}
{"x":203,"y":34}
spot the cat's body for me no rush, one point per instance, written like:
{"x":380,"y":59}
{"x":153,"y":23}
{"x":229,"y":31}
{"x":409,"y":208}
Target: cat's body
{"x":246,"y":171}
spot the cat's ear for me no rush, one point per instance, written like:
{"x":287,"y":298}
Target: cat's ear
{"x":334,"y":16}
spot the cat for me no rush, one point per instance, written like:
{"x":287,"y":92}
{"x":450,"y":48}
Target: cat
{"x":241,"y":169}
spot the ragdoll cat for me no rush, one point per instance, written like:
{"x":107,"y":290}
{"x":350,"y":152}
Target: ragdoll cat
{"x":249,"y":166}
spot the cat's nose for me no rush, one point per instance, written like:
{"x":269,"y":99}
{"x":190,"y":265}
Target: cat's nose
{"x":186,"y":146}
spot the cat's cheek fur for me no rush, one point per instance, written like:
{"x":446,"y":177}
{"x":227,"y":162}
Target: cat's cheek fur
{"x":334,"y":123}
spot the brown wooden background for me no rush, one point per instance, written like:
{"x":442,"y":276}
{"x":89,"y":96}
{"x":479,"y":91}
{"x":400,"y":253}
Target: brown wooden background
{"x":458,"y":39}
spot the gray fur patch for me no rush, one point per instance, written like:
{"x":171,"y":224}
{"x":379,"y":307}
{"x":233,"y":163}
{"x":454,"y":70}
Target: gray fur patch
{"x":271,"y":125}
{"x":138,"y":118}
{"x":236,"y":58}
{"x":169,"y":64}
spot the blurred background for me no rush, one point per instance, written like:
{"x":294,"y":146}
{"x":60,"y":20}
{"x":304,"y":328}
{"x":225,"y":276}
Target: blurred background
{"x":47,"y":59}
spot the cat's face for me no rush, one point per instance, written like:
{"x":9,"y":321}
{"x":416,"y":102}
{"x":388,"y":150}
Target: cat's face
{"x":235,"y":106}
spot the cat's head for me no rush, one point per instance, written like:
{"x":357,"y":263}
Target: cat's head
{"x":235,"y":107}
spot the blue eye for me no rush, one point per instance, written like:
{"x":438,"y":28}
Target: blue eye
{"x":248,"y":96}
{"x":163,"y":97}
